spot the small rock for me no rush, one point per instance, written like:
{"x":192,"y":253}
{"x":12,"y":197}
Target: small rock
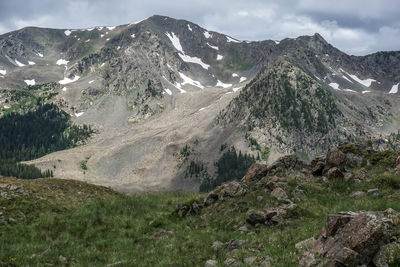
{"x":265,"y":261}
{"x":2,"y":186}
{"x":211,"y":263}
{"x":250,"y":260}
{"x":234,"y":244}
{"x":357,"y":194}
{"x":335,"y":173}
{"x":259,"y":198}
{"x":118,"y":263}
{"x":62,"y":258}
{"x":13,"y":187}
{"x":211,"y":199}
{"x":305,"y":244}
{"x":231,"y":262}
{"x":279,"y":193}
{"x":347,"y":176}
{"x":317,"y":168}
{"x":217,"y":245}
{"x":362,"y":175}
{"x":374,"y":192}
{"x":243,"y":229}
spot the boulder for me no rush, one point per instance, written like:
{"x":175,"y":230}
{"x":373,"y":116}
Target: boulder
{"x":354,"y":239}
{"x":335,"y":158}
{"x":231,"y":189}
{"x":387,"y":255}
{"x":362,"y":175}
{"x":305,"y":244}
{"x":256,"y":217}
{"x":232,"y":262}
{"x":234,"y":244}
{"x":335,"y":173}
{"x":279,"y":193}
{"x":217,"y":245}
{"x":255,"y":172}
{"x":211,"y":198}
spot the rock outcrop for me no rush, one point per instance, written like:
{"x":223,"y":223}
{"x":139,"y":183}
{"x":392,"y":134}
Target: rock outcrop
{"x":365,"y":238}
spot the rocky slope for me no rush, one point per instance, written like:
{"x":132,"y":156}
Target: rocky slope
{"x":153,"y":87}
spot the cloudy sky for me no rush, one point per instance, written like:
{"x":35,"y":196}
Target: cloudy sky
{"x":357,"y":27}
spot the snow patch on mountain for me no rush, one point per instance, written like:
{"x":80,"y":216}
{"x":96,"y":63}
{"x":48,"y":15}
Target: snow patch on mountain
{"x":62,"y":62}
{"x":3,"y":72}
{"x":236,"y":89}
{"x":366,"y":82}
{"x":175,"y":42}
{"x":92,"y":81}
{"x":39,"y":54}
{"x":79,"y":114}
{"x":110,"y":28}
{"x":30,"y":82}
{"x":223,"y":85}
{"x":235,"y":75}
{"x":366,"y":91}
{"x":195,"y":60}
{"x":133,"y":35}
{"x":344,"y":77}
{"x":190,"y":28}
{"x":168,"y":91}
{"x":188,"y":80}
{"x":334,"y":86}
{"x":220,"y":57}
{"x":68,"y":80}
{"x":67,"y":32}
{"x":242,"y":79}
{"x":395,"y":89}
{"x":31,"y":63}
{"x":19,"y":63}
{"x":231,"y":40}
{"x":213,"y":47}
{"x":207,"y":34}
{"x":64,"y":89}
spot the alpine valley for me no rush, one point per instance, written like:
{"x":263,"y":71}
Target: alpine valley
{"x":167,"y":99}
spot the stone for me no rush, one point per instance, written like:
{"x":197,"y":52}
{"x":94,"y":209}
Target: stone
{"x":357,"y":194}
{"x":299,"y":194}
{"x":354,"y":239}
{"x":335,"y":173}
{"x":234,"y":244}
{"x":362,"y":175}
{"x":264,"y":261}
{"x":279,"y":193}
{"x":217,"y":245}
{"x":305,"y":244}
{"x":250,"y":260}
{"x":374,"y":192}
{"x":259,"y":198}
{"x":232,"y":262}
{"x":347,"y":176}
{"x":387,"y":255}
{"x":232,"y":189}
{"x":243,"y":229}
{"x":210,"y":263}
{"x":256,"y":217}
{"x":317,"y":168}
{"x":335,"y":158}
{"x":255,"y":172}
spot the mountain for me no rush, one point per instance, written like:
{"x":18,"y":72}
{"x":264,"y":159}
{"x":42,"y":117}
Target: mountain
{"x":167,"y":98}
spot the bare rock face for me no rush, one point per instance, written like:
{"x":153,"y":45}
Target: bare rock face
{"x":356,"y":238}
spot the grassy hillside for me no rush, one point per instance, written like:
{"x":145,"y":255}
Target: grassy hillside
{"x":63,"y":222}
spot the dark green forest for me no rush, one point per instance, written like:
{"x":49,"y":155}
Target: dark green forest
{"x":231,"y":165}
{"x":34,"y":134}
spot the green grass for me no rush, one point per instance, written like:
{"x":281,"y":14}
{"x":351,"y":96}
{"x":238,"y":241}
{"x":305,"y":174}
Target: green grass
{"x":85,"y":225}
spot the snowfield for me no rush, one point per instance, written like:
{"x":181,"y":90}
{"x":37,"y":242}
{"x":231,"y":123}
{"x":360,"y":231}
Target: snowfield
{"x":30,"y":82}
{"x":175,"y":41}
{"x":188,"y":80}
{"x":67,"y":32}
{"x":366,"y":82}
{"x":220,"y":57}
{"x":3,"y":72}
{"x":19,"y":63}
{"x":195,"y":60}
{"x":223,"y":85}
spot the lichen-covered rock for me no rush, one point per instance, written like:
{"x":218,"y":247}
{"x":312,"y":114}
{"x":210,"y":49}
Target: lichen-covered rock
{"x":279,"y":193}
{"x":353,"y":239}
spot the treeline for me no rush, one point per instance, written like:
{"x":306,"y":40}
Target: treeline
{"x":232,"y":165}
{"x":34,"y":134}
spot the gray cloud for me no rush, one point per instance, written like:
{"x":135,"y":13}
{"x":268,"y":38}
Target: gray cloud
{"x":354,"y":26}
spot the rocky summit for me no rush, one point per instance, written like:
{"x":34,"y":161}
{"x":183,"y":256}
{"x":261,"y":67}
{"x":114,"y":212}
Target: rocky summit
{"x":152,"y":88}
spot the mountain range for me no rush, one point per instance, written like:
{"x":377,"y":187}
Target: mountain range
{"x":164,"y":94}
